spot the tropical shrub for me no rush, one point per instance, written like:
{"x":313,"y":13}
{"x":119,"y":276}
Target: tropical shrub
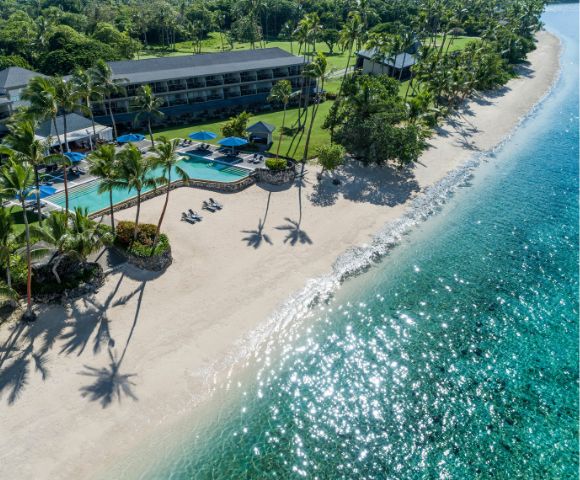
{"x":142,"y":246}
{"x":236,"y":126}
{"x":276,"y":163}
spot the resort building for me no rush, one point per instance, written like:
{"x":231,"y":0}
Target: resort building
{"x":204,"y":86}
{"x":12,"y":82}
{"x":372,"y":62}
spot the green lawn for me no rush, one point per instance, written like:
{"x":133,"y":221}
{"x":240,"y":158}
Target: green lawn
{"x":319,"y":136}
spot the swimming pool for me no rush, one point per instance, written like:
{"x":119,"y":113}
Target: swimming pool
{"x":198,"y":168}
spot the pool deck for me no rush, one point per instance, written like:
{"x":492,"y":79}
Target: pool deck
{"x":246,"y":161}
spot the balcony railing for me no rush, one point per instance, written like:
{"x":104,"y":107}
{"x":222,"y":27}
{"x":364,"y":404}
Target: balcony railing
{"x":213,"y":83}
{"x":176,"y":87}
{"x":265,"y":76}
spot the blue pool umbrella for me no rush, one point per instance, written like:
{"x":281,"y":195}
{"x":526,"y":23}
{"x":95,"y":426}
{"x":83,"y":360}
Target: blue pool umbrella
{"x":130,"y":137}
{"x":75,"y":157}
{"x":232,"y":141}
{"x":45,"y":191}
{"x":203,"y":135}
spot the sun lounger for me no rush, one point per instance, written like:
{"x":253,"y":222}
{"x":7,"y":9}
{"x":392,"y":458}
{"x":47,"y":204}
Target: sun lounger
{"x":209,"y":207}
{"x":187,"y":218}
{"x":196,"y":216}
{"x":215,"y":204}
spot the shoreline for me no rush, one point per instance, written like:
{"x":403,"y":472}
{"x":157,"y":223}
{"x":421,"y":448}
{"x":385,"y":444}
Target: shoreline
{"x":168,"y":332}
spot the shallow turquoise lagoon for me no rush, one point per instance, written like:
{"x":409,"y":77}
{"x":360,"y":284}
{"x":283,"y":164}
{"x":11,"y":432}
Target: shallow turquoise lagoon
{"x":87,"y":196}
{"x":456,"y":357}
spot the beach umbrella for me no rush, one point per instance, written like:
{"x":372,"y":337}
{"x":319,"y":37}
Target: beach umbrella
{"x":45,"y":191}
{"x":130,"y":137}
{"x":75,"y":157}
{"x":203,"y":135}
{"x":232,"y":141}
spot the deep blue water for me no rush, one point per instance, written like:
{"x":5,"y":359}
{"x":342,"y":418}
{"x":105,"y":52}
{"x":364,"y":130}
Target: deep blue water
{"x":455,"y":357}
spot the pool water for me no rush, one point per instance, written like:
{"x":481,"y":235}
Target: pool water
{"x":87,"y":195}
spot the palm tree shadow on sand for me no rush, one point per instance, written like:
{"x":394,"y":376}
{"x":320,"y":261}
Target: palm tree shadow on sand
{"x":255,"y":238}
{"x":109,"y":383}
{"x":294,"y":233}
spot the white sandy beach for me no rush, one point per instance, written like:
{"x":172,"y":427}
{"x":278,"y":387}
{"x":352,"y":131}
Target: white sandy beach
{"x":167,"y":332}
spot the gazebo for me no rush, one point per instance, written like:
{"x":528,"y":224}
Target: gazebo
{"x":80,"y":133}
{"x":261,"y":132}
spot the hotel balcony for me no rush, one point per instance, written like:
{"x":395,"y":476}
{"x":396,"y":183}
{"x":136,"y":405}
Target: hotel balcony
{"x":248,"y":90}
{"x":231,"y":78}
{"x":265,"y":75}
{"x":280,"y":72}
{"x":265,"y":87}
{"x":195,"y":83}
{"x":214,"y":81}
{"x":176,"y":85}
{"x":248,"y":77}
{"x":232,"y":92}
{"x":159,"y":87}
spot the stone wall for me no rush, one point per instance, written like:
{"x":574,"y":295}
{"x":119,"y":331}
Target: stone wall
{"x":230,"y":187}
{"x":155,"y":263}
{"x":276,"y":177}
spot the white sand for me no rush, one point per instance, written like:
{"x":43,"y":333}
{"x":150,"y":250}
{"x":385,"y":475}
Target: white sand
{"x":170,"y":330}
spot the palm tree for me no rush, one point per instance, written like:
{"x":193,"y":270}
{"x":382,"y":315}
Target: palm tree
{"x":148,"y":107}
{"x":6,"y":234}
{"x":23,"y":145}
{"x":132,"y":173}
{"x":16,"y":179}
{"x":45,"y":103}
{"x":102,"y":77}
{"x":103,"y":164}
{"x":167,"y":157}
{"x":86,"y":91}
{"x":315,"y":70}
{"x":73,"y":235}
{"x":66,"y":98}
{"x":349,"y":35}
{"x":281,"y":92}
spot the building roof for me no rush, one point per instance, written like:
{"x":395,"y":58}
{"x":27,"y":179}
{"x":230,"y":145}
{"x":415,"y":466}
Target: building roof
{"x":402,"y":60}
{"x":74,"y":122}
{"x":261,"y":127}
{"x":14,"y":77}
{"x":167,"y":68}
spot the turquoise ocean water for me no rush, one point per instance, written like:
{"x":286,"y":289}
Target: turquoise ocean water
{"x":454,"y":357}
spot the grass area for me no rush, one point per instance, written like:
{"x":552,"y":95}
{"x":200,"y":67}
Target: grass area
{"x":456,"y":43}
{"x":319,"y":136}
{"x":336,"y":60}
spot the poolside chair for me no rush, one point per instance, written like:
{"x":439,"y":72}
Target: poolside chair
{"x":186,"y":218}
{"x":207,"y":206}
{"x":215,"y":204}
{"x":196,"y":216}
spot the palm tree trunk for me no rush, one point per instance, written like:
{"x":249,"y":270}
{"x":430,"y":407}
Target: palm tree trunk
{"x":345,"y":71}
{"x":65,"y":169}
{"x":92,"y":120}
{"x":402,"y":66}
{"x":158,"y":231}
{"x":28,"y":261}
{"x":8,"y":274}
{"x":37,"y":182}
{"x":150,"y":132}
{"x":281,"y":131}
{"x":112,"y":117}
{"x":137,"y":215}
{"x":65,"y":132}
{"x":111,"y":210}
